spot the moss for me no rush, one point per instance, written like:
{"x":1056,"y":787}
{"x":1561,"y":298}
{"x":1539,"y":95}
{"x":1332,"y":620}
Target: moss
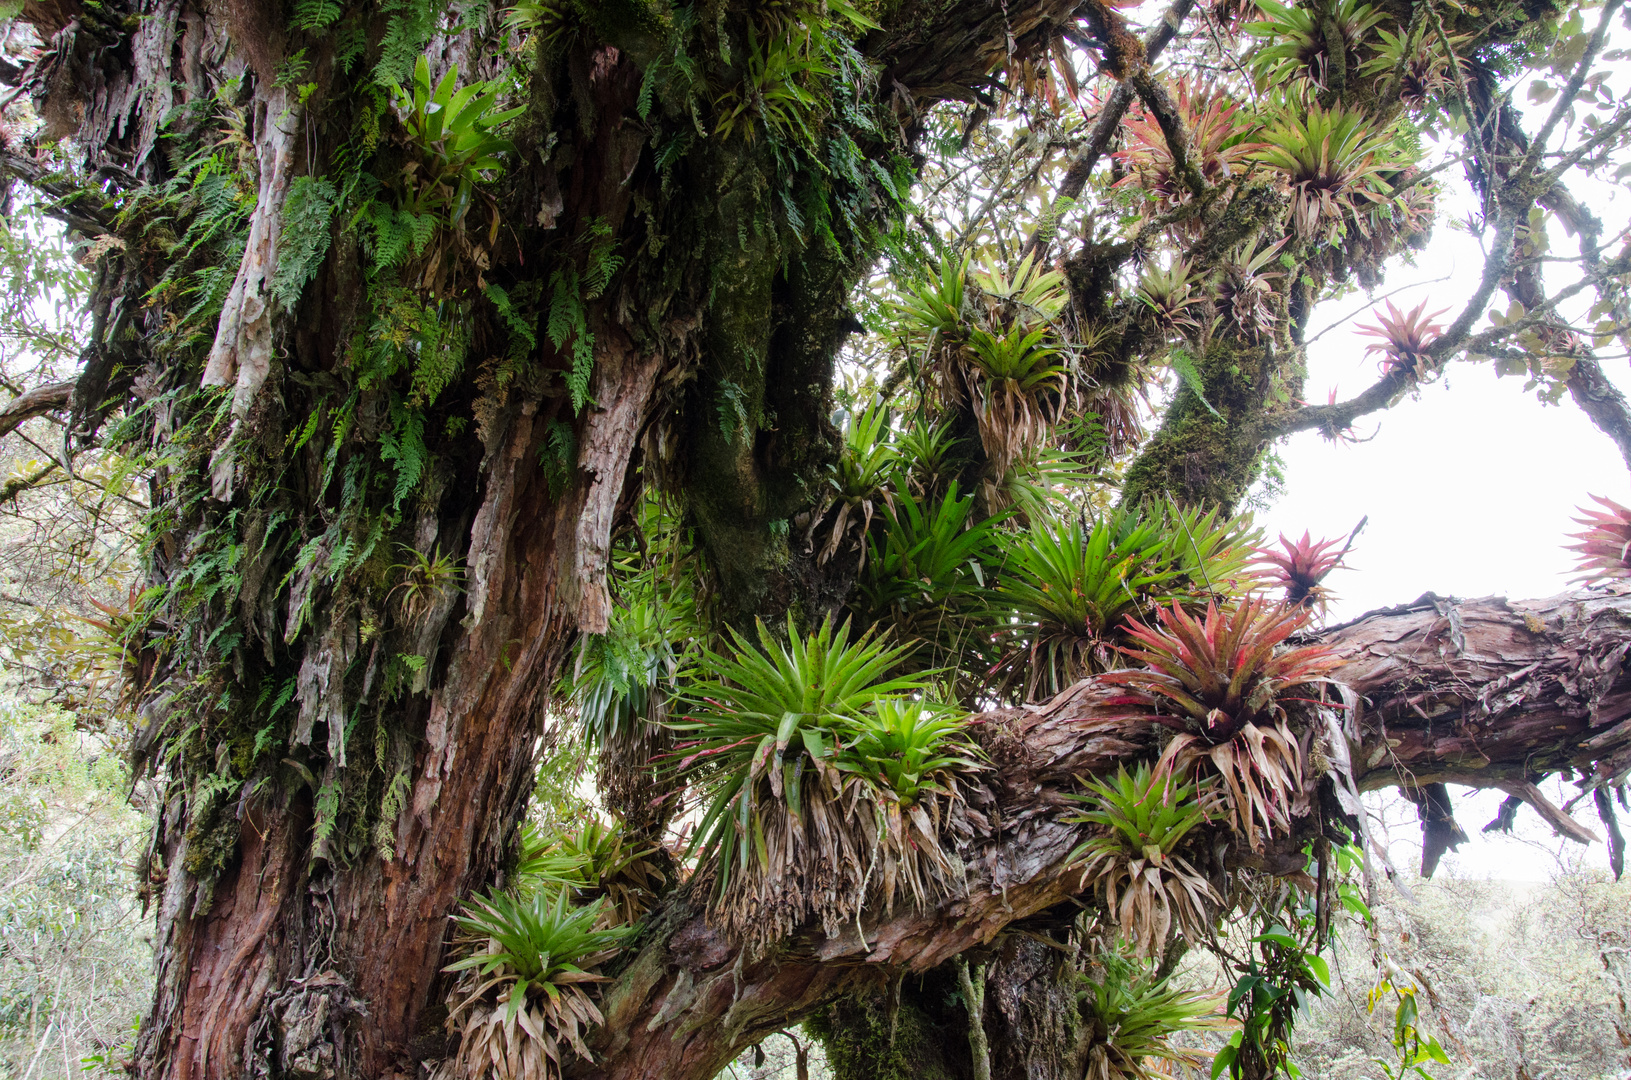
{"x":760,"y":435}
{"x":1210,"y":456}
{"x":924,"y":1037}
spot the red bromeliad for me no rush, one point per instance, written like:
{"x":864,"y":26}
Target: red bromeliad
{"x":1604,"y":551}
{"x":1405,"y":338}
{"x":1217,"y":681}
{"x":1301,"y":566}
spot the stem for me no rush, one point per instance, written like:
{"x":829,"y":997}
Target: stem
{"x":973,"y":987}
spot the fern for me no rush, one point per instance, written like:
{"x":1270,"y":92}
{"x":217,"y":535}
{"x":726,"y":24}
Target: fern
{"x":1184,"y":364}
{"x":733,"y":413}
{"x":523,"y":332}
{"x":583,"y":366}
{"x":603,"y":260}
{"x":350,"y":41}
{"x":404,"y":446}
{"x":305,"y":238}
{"x":408,"y":28}
{"x":306,"y":432}
{"x":328,"y":814}
{"x":316,"y":14}
{"x":341,"y":558}
{"x":438,"y":365}
{"x":292,"y":70}
{"x":557,"y":456}
{"x":392,"y":231}
{"x":567,"y":321}
{"x":519,"y":327}
{"x":423,"y":227}
{"x":390,"y":808}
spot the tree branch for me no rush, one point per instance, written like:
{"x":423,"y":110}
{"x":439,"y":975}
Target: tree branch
{"x":1484,"y":692}
{"x":1601,"y":401}
{"x":1109,"y":121}
{"x":1571,"y":91}
{"x":1341,"y":415}
{"x":76,"y":206}
{"x":36,"y":402}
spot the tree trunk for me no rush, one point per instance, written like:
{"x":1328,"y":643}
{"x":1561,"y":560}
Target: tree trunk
{"x":346,"y":728}
{"x":348,"y":747}
{"x":296,"y":963}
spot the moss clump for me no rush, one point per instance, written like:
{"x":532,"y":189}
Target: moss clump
{"x":1209,"y":450}
{"x":924,"y":1036}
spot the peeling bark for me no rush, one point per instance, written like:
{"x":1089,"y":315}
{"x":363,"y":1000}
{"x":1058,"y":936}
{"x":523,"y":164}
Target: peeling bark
{"x":1480,"y":692}
{"x":40,"y":401}
{"x":242,"y":354}
{"x":288,"y":962}
{"x":622,"y":390}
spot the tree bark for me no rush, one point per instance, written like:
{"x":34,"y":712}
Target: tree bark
{"x":285,"y":948}
{"x":304,"y":902}
{"x":1482,"y":692}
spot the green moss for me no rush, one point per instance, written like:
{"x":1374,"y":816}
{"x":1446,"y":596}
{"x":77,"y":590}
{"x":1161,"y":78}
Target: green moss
{"x":1210,"y":456}
{"x":923,"y":1038}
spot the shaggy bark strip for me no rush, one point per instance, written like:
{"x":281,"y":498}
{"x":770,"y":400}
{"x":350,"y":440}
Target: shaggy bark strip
{"x":1482,"y":692}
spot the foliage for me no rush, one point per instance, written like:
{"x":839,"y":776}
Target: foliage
{"x":455,"y":133}
{"x":1223,"y":675}
{"x":74,"y":972}
{"x":1602,"y":553}
{"x":924,"y":578}
{"x":906,"y":749}
{"x":1071,"y":585}
{"x":1132,"y":1015}
{"x":425,"y":580}
{"x":860,"y":481}
{"x":597,"y":861}
{"x":1218,"y":132}
{"x":1415,"y":1051}
{"x":1333,"y":160}
{"x":1245,"y":289}
{"x":769,"y":737}
{"x":305,"y":240}
{"x":519,"y":1002}
{"x":1299,"y":567}
{"x":1405,"y":339}
{"x":1149,"y":889}
{"x":1299,"y":46}
{"x":1278,"y":980}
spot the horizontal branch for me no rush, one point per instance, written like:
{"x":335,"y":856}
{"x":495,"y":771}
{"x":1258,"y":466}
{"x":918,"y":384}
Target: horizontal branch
{"x":76,"y":206}
{"x":1339,"y":416}
{"x":34,"y":403}
{"x":1485,"y":692}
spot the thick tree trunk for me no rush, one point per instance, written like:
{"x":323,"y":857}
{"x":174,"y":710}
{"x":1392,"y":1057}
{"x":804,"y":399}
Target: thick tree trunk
{"x":299,"y":966}
{"x":282,"y":950}
{"x":287,"y":945}
{"x":1484,"y":692}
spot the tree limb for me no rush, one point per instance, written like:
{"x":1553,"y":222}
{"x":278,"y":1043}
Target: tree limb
{"x":1483,"y":692}
{"x":1340,"y":415}
{"x":76,"y":206}
{"x":36,"y":402}
{"x":1109,"y":121}
{"x":1571,"y":90}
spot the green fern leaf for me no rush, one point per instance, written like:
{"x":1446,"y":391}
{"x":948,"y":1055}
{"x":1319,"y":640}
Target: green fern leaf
{"x":1184,"y":364}
{"x":305,"y":238}
{"x":316,"y":14}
